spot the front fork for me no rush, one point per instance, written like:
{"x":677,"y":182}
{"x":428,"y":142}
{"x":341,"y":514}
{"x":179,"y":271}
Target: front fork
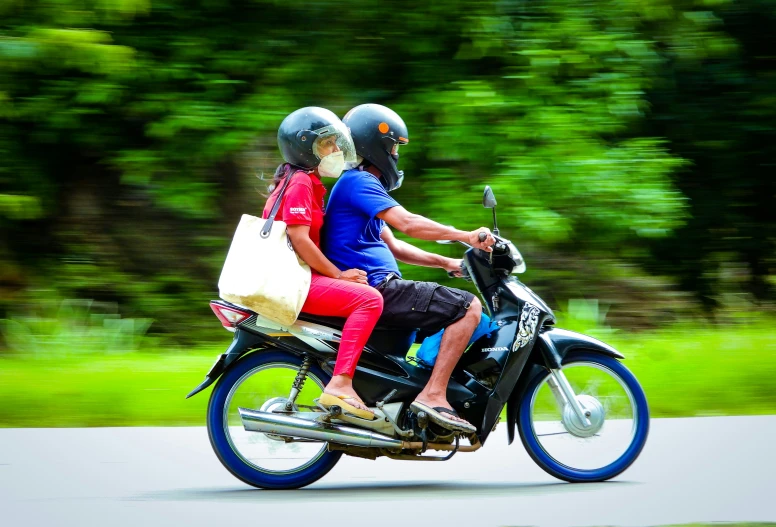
{"x":559,"y":384}
{"x":564,"y":394}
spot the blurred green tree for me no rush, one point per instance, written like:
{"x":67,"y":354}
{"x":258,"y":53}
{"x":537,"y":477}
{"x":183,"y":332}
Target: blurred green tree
{"x":614,"y":134}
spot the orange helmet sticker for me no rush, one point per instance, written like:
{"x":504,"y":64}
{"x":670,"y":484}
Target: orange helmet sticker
{"x":404,"y":139}
{"x":383,"y":127}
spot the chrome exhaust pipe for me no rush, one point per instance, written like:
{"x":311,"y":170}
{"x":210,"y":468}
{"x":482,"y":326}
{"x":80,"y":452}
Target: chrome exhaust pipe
{"x":284,"y":425}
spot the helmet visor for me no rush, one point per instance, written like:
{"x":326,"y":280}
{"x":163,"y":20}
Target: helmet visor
{"x":332,"y":138}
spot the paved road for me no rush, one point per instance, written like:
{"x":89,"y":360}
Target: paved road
{"x":692,"y":470}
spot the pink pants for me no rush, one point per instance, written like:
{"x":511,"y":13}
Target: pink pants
{"x":359,"y":303}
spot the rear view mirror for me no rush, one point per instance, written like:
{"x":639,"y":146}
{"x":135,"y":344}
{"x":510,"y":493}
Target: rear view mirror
{"x":488,"y":199}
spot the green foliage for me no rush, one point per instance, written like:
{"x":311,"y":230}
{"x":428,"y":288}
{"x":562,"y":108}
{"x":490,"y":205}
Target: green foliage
{"x":75,"y":328}
{"x":628,"y":135}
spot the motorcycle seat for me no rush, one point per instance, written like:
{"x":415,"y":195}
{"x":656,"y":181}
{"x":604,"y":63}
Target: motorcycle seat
{"x":338,"y":323}
{"x":384,"y":339}
{"x":392,"y":339}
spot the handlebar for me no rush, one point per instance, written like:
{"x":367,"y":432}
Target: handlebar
{"x":482,"y":236}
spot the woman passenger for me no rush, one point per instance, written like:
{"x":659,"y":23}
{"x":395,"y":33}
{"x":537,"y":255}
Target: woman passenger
{"x":314,"y":144}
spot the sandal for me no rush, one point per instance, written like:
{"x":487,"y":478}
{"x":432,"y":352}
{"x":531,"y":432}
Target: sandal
{"x":328,"y":400}
{"x":436,"y":415}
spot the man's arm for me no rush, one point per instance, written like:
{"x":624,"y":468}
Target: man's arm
{"x":422,"y":228}
{"x":404,"y":252}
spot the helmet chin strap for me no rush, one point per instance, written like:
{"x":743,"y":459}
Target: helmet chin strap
{"x":365,"y":165}
{"x":399,"y":173}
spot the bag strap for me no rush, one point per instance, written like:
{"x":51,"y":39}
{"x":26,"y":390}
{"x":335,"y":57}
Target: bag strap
{"x":275,"y":207}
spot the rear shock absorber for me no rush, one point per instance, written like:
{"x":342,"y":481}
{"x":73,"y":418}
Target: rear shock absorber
{"x":301,"y":377}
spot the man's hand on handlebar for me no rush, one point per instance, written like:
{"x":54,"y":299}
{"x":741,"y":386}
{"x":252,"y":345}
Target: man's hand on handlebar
{"x":481,"y":239}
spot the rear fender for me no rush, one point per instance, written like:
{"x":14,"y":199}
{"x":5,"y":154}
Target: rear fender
{"x":243,"y":342}
{"x":551,"y":348}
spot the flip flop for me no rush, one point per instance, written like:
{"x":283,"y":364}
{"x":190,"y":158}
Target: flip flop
{"x":435,"y":414}
{"x":327,"y":400}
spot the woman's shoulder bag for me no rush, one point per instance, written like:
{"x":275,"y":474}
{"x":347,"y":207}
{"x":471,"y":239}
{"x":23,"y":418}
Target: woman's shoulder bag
{"x":262,"y":272}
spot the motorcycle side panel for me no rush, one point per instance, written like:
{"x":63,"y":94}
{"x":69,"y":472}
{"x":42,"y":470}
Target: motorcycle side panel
{"x":374,"y":385}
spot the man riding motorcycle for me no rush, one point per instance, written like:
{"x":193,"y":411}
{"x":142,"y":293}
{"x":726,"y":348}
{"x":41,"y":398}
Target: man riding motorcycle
{"x":357,"y":235}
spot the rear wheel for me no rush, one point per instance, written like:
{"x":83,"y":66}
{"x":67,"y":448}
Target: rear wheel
{"x":617,"y":410}
{"x":262,"y":381}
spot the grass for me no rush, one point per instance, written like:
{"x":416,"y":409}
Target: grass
{"x":684,"y":371}
{"x":104,"y":390}
{"x":701,"y":372}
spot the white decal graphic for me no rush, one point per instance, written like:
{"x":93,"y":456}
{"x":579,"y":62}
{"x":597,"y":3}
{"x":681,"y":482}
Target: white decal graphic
{"x":526,"y":329}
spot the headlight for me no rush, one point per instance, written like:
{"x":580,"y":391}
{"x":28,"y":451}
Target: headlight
{"x":518,"y":258}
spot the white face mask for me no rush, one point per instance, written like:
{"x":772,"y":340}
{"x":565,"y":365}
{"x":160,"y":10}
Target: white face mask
{"x":332,"y":165}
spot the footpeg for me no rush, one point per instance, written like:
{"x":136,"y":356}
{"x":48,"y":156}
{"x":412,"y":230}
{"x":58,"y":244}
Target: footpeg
{"x":332,"y":412}
{"x":422,"y":420}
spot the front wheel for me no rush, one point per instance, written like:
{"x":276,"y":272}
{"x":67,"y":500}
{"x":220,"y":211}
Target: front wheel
{"x":262,"y":381}
{"x":618,"y":415}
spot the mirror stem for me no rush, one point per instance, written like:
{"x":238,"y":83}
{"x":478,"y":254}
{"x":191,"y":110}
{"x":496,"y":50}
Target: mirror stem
{"x":495,"y":225}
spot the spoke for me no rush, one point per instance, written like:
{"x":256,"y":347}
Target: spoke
{"x":588,"y":450}
{"x":561,"y":433}
{"x":273,"y":453}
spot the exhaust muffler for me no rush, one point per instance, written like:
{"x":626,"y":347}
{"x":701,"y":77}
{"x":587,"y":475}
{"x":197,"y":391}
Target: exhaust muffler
{"x":285,"y":425}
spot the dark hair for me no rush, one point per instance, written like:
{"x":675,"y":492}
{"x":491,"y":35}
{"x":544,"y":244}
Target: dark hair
{"x":283,"y":170}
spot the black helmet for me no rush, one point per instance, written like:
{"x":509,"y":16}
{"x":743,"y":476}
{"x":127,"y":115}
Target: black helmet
{"x":376,"y":131}
{"x":302,"y":130}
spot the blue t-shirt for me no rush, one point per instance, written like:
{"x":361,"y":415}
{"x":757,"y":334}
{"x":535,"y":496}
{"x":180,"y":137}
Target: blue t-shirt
{"x":351,"y":230}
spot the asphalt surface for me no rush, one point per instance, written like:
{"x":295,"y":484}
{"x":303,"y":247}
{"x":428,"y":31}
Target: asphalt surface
{"x":717,"y":469}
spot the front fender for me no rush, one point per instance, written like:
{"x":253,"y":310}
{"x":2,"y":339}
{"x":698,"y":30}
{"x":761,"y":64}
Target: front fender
{"x":558,"y":342}
{"x":551,"y":348}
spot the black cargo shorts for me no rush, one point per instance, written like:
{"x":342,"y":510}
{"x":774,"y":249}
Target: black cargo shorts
{"x":427,"y":306}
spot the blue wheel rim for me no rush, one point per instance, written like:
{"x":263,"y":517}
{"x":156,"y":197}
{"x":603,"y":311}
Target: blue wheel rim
{"x":568,"y":473}
{"x":246,"y":472}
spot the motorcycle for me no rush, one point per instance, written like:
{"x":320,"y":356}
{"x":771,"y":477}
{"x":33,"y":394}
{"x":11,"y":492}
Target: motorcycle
{"x":580,"y":413}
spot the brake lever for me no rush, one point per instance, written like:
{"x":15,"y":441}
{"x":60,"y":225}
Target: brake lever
{"x":464,"y":273}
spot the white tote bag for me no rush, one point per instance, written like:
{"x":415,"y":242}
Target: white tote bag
{"x":262,"y":271}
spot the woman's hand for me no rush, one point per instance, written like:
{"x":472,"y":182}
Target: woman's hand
{"x":353,"y":275}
